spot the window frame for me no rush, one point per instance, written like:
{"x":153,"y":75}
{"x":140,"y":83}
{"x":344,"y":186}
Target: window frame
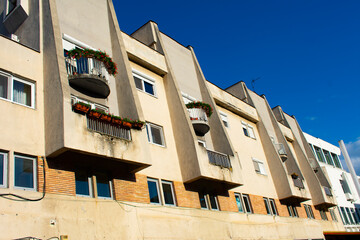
{"x":333,"y":215}
{"x":34,"y":188}
{"x":5,"y":169}
{"x":246,"y":199}
{"x":292,"y":211}
{"x":172,"y":192}
{"x":207,"y":199}
{"x":318,"y":152}
{"x":246,"y":131}
{"x":95,"y":175}
{"x":145,"y":78}
{"x":156,"y":181}
{"x":273,"y":207}
{"x":261,"y":167}
{"x":148,"y":126}
{"x":224,"y":118}
{"x":267,"y":206}
{"x":10,"y":89}
{"x":241,"y":202}
{"x":90,"y":185}
{"x":328,"y":157}
{"x":336,"y":160}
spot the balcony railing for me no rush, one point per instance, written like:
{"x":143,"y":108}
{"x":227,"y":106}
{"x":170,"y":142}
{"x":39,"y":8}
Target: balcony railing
{"x":199,"y":120}
{"x":88,"y":75}
{"x":328,"y":191}
{"x":108,"y":129}
{"x":219,"y":159}
{"x":297,"y":182}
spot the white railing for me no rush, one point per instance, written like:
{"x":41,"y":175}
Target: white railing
{"x":219,"y":159}
{"x":108,"y":128}
{"x":197,"y":114}
{"x":85,"y":66}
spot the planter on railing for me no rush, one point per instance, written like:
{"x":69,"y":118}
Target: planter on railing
{"x":81,"y":107}
{"x":200,"y":105}
{"x":95,"y":113}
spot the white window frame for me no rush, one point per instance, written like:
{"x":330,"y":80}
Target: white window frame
{"x":5,"y":170}
{"x":156,"y":181}
{"x":34,"y":172}
{"x":261,"y":166}
{"x":172,"y":192}
{"x":187,"y":98}
{"x":333,"y":215}
{"x":149,"y":135}
{"x":10,"y":89}
{"x":241,"y":202}
{"x":224,"y":119}
{"x":145,"y":78}
{"x":267,"y":206}
{"x":249,"y":129}
{"x":110,"y":186}
{"x":272,"y":203}
{"x":90,"y":185}
{"x":246,"y":198}
{"x":208,"y":202}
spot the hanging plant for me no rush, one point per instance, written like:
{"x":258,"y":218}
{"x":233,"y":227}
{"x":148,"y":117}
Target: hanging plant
{"x":97,"y":54}
{"x":206,"y":107}
{"x":137,"y":124}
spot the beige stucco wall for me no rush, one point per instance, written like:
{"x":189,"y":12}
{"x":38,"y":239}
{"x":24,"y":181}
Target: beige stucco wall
{"x":84,"y":218}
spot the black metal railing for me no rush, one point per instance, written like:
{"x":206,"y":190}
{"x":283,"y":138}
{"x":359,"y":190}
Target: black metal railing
{"x":219,"y":159}
{"x":108,"y":128}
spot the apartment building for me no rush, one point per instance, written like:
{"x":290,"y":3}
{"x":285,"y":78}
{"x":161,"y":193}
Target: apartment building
{"x":343,"y":186}
{"x":117,"y":136}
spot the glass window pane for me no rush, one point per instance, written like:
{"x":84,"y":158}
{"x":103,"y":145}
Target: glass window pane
{"x":153,"y":192}
{"x":138,"y":83}
{"x":22,"y":93}
{"x":156,"y":135}
{"x":345,"y":218}
{"x":251,"y":132}
{"x":238,"y":203}
{"x":24,"y":172}
{"x":328,"y":157}
{"x":213,"y":202}
{"x":273,"y":207}
{"x":247,"y":204}
{"x":319,"y":154}
{"x":168,"y":194}
{"x":103,"y":186}
{"x":245,"y":131}
{"x":267,"y":206}
{"x":3,"y":86}
{"x":336,"y":160}
{"x":202,"y":198}
{"x":149,"y":88}
{"x":82,"y":184}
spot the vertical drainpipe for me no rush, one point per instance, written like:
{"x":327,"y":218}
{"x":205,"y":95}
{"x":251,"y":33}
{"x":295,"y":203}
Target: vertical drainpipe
{"x":350,"y":166}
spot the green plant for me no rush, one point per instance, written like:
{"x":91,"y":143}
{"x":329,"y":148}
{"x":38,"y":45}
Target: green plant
{"x":98,"y":110}
{"x":207,"y":108}
{"x":97,"y":54}
{"x":83,"y":104}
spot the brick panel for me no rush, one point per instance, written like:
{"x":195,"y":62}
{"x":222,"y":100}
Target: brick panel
{"x":57,"y":181}
{"x":316,"y":213}
{"x":301,"y":211}
{"x":282,"y":209}
{"x":228,"y":203}
{"x":131,"y":191}
{"x":186,"y":198}
{"x":258,"y":204}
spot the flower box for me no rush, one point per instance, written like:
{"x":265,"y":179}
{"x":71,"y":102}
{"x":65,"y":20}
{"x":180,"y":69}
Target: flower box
{"x":105,"y":117}
{"x":95,"y":113}
{"x":116,"y":120}
{"x":206,"y":107}
{"x":81,"y":107}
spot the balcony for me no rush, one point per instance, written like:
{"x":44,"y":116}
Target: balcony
{"x":199,"y":121}
{"x":281,"y":150}
{"x":328,"y":191}
{"x":297,"y":181}
{"x":88,"y":76}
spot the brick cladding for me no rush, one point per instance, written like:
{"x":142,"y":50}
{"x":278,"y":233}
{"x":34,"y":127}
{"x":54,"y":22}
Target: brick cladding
{"x":301,"y":211}
{"x":257,"y":203}
{"x":186,"y":198}
{"x":228,"y":203}
{"x":282,"y":209}
{"x":58,"y":181}
{"x":132,"y":191}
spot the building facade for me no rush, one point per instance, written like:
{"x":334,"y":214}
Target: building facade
{"x":132,"y":142}
{"x":343,"y":186}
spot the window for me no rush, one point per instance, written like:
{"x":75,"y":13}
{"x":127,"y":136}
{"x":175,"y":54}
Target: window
{"x":153,"y":185}
{"x":17,"y":90}
{"x":25,"y":169}
{"x":333,"y":215}
{"x":208,"y":201}
{"x":239,"y":202}
{"x":267,"y":205}
{"x":328,"y":157}
{"x":336,"y":160}
{"x":155,"y":134}
{"x":292,"y":211}
{"x":168,"y":192}
{"x":224,"y":119}
{"x":273,"y":207}
{"x":344,"y":216}
{"x":319,"y":154}
{"x":259,"y":166}
{"x":247,"y":203}
{"x":144,"y":83}
{"x":323,"y":215}
{"x":248,"y":130}
{"x":3,"y":169}
{"x":350,"y":215}
{"x":345,"y":186}
{"x":309,"y":211}
{"x":85,"y":183}
{"x":166,"y":187}
{"x":355,"y":215}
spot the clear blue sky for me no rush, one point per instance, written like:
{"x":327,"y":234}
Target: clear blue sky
{"x":305,"y":54}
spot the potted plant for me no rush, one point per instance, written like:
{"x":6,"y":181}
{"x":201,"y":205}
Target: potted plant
{"x":116,"y":120}
{"x":126,"y":123}
{"x":137,"y":124}
{"x":105,"y":117}
{"x":81,"y":107}
{"x":206,"y":107}
{"x":95,"y":113}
